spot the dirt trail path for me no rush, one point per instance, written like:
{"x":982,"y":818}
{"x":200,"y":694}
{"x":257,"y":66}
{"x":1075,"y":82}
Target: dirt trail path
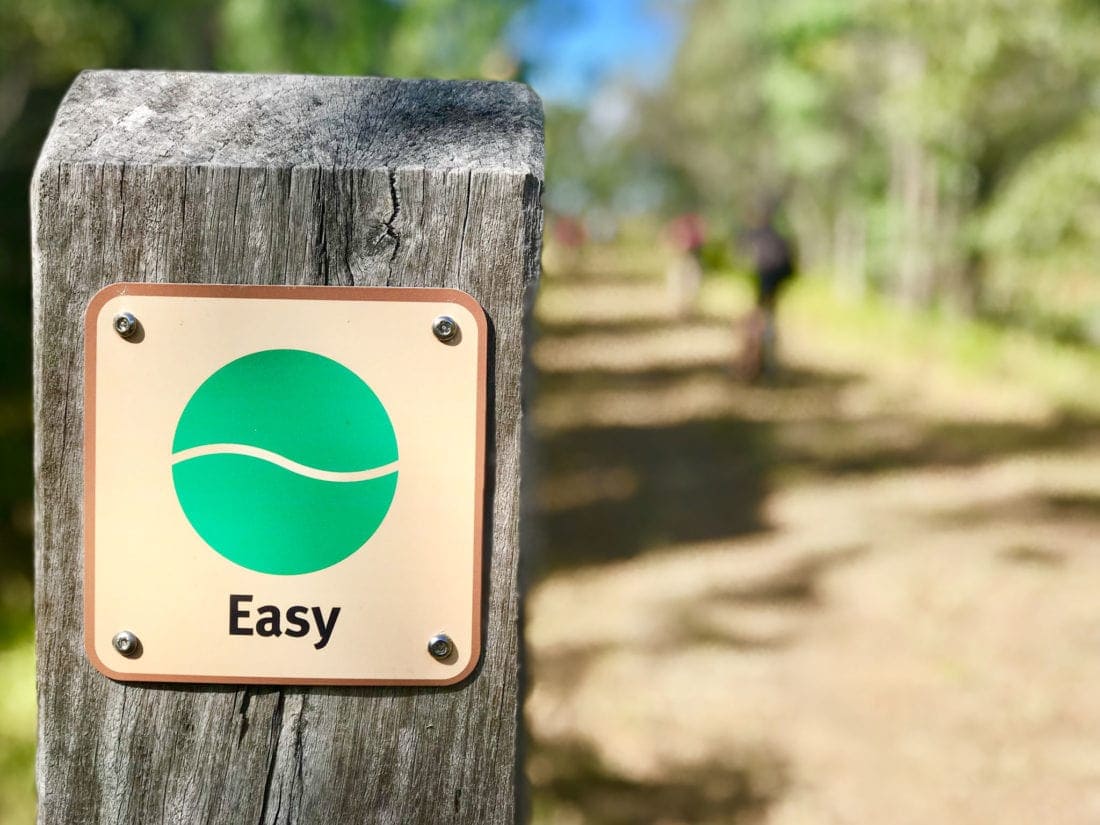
{"x":853,"y":596}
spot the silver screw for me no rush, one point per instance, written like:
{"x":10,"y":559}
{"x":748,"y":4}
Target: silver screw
{"x":126,"y":643}
{"x":445,"y":328}
{"x":125,"y":324}
{"x":441,"y":646}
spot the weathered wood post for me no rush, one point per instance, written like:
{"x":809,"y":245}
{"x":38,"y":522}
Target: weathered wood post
{"x":231,"y":179}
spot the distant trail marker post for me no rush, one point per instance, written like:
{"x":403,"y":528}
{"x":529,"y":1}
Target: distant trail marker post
{"x":397,"y":422}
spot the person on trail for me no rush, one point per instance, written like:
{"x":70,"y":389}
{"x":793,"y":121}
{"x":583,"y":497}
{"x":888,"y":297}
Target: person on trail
{"x":773,"y":261}
{"x":686,"y":235}
{"x":570,"y":237}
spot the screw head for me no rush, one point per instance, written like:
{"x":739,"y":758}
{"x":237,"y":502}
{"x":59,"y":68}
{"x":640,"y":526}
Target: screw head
{"x":445,"y":328}
{"x":126,"y":643}
{"x":125,"y":324}
{"x":440,"y":646}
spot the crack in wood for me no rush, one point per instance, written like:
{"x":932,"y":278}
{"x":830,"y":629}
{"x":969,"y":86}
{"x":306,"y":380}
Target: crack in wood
{"x":273,"y":750}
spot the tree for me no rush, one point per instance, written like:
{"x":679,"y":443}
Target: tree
{"x":897,"y":131}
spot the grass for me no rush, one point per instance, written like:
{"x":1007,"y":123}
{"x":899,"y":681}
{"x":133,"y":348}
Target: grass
{"x":964,"y":349}
{"x":17,"y":725}
{"x":972,"y":349}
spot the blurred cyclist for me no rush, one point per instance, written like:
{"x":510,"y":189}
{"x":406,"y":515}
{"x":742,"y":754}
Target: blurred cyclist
{"x":686,"y":235}
{"x":773,"y":262}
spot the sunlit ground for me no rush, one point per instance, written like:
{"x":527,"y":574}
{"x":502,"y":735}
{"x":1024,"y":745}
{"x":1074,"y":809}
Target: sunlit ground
{"x":862,"y":592}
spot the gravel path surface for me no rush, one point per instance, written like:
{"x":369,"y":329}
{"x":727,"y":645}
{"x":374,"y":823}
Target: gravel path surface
{"x":855,"y":594}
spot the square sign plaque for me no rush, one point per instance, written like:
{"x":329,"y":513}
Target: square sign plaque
{"x":284,"y":484}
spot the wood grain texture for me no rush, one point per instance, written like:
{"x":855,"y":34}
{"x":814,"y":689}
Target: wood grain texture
{"x":174,"y":177}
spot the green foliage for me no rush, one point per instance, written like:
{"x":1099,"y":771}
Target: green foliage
{"x":922,"y":145}
{"x":281,"y":35}
{"x":1061,"y":373}
{"x":47,"y":41}
{"x":438,"y":38}
{"x":1049,"y":211}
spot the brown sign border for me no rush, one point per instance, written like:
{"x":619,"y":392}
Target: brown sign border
{"x":313,"y":293}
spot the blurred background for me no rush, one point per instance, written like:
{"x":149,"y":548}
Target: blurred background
{"x":819,"y":554}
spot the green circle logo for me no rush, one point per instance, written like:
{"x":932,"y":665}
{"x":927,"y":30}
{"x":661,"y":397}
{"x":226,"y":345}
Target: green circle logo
{"x":285,"y":462}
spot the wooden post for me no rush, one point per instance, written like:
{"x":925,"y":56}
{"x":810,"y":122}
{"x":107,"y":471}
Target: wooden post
{"x":205,"y":178}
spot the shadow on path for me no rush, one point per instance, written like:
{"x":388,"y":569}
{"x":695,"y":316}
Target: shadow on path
{"x":737,"y":792}
{"x":637,"y":457}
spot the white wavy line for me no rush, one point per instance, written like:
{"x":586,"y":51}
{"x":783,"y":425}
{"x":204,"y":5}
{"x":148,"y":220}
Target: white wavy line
{"x":284,"y":462}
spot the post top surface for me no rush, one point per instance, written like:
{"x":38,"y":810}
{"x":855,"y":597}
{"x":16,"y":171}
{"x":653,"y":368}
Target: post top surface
{"x":281,"y":121}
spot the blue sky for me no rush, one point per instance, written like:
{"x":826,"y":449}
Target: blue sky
{"x":573,"y":46}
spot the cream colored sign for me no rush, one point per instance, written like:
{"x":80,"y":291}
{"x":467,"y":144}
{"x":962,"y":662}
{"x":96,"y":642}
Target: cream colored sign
{"x":284,"y":484}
